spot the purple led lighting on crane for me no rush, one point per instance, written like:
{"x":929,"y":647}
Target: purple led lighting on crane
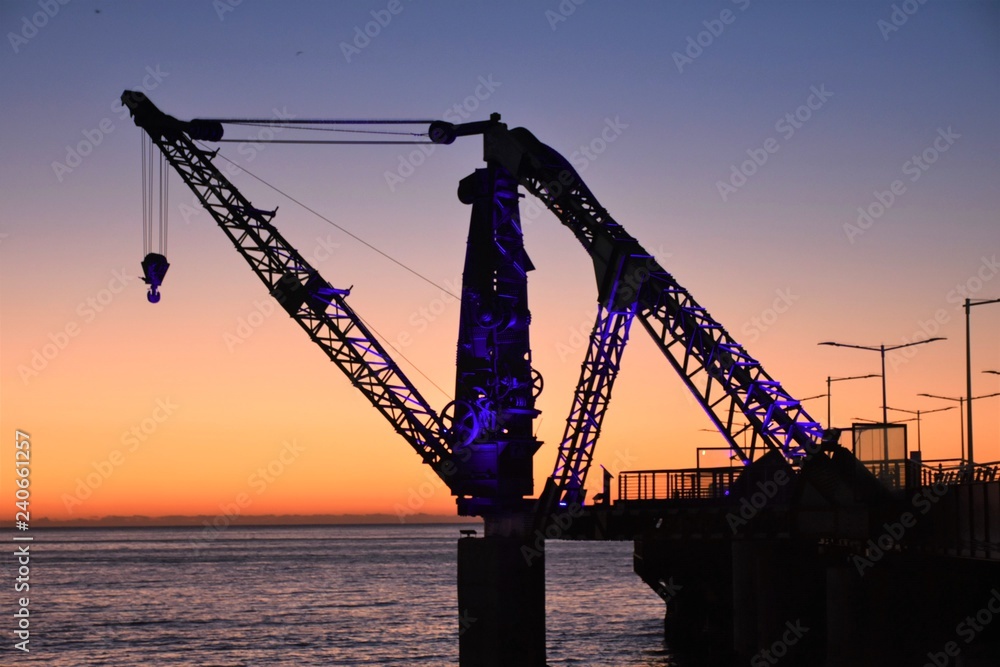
{"x":483,"y":448}
{"x":491,"y":418}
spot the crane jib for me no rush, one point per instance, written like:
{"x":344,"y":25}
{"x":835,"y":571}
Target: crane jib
{"x":317,"y":307}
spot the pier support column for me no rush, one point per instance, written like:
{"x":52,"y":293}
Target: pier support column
{"x":778,"y":593}
{"x":844,"y":598}
{"x":757,"y":590}
{"x":501,"y":602}
{"x":744,"y":598}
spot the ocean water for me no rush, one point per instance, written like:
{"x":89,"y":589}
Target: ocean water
{"x":333,"y":595}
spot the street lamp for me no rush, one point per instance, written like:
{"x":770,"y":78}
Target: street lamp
{"x":809,"y":398}
{"x":829,"y":393}
{"x":744,"y":428}
{"x":961,"y":423}
{"x":882,"y":349}
{"x":969,"y":303}
{"x":875,"y":421}
{"x":923,"y":412}
{"x":994,"y":372}
{"x":732,"y":457}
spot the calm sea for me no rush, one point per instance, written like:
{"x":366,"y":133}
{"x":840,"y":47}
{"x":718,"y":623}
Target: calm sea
{"x":337,"y":595}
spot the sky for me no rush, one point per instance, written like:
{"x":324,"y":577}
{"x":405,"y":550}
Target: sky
{"x":809,"y":171}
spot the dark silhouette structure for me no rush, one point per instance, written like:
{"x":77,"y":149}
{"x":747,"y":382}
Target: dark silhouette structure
{"x":752,"y":546}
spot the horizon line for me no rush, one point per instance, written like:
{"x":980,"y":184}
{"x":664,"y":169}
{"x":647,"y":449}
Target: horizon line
{"x":249,"y":520}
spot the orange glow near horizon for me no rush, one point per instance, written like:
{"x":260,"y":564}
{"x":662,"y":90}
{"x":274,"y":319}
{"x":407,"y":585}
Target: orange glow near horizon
{"x":272,"y":428}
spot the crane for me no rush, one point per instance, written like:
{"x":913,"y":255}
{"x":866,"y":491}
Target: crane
{"x":481,"y":443}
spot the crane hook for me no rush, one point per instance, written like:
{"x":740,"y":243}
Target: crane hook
{"x":154,"y":268}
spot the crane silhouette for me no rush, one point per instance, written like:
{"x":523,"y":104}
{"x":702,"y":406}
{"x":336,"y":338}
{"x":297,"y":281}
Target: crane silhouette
{"x":482,"y":444}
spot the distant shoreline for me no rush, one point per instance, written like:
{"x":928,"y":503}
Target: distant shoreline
{"x":252,"y":521}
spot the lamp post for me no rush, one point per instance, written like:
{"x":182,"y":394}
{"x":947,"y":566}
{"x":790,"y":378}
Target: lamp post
{"x":969,"y":303}
{"x":701,"y":450}
{"x":923,"y":412}
{"x":829,"y":393}
{"x":743,"y":430}
{"x":809,"y":398}
{"x":961,"y":423}
{"x":875,"y":421}
{"x":882,"y":349}
{"x":994,"y":372}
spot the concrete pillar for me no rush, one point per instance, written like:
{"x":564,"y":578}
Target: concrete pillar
{"x":501,"y":602}
{"x":770,"y":587}
{"x":744,"y":598}
{"x":843,"y":602}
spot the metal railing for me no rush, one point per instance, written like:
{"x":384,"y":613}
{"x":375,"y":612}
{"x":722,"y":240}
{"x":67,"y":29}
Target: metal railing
{"x":957,"y":471}
{"x":714,"y":483}
{"x":894,"y":473}
{"x":683,"y":484}
{"x":904,"y":474}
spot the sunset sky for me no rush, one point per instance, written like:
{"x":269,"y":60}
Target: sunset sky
{"x":184,"y":406}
